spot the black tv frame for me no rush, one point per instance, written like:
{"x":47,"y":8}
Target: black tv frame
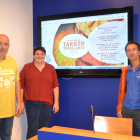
{"x":87,"y":73}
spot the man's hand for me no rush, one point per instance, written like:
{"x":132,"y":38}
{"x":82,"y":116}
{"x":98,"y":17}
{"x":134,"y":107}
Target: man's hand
{"x":18,"y":111}
{"x":55,"y":108}
{"x":119,"y":114}
{"x":22,"y":108}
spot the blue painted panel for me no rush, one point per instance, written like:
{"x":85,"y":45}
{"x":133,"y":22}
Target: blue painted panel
{"x":76,"y":97}
{"x":77,"y":94}
{"x":58,"y":136}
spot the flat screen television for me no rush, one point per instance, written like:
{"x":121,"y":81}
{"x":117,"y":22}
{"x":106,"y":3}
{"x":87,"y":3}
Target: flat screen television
{"x":87,"y":44}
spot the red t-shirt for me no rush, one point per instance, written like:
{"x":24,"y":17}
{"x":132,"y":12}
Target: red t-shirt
{"x":38,"y":86}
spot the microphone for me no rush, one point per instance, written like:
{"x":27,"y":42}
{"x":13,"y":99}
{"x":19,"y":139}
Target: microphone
{"x":92,"y":117}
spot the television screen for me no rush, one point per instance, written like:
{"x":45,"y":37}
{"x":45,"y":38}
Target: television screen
{"x":87,"y":43}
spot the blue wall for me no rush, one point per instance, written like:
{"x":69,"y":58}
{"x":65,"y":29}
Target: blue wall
{"x":77,"y":94}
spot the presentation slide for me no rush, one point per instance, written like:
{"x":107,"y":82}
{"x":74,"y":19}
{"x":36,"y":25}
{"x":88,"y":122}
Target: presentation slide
{"x":93,"y":42}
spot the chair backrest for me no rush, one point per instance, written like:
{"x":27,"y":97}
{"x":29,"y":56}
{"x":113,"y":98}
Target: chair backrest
{"x":113,"y":125}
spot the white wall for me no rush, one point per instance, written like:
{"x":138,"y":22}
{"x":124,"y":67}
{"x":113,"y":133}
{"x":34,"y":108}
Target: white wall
{"x":16,"y":21}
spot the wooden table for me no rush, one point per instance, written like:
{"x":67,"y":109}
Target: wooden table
{"x":86,"y":133}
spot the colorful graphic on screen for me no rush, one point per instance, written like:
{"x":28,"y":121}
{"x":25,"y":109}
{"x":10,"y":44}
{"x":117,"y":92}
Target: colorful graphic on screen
{"x":94,"y":43}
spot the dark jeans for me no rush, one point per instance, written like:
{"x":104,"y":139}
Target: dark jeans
{"x":134,"y":114}
{"x":38,"y":116}
{"x":6,"y":125}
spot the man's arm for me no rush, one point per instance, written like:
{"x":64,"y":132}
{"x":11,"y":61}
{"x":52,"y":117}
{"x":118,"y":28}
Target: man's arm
{"x":18,"y":98}
{"x":22,"y":104}
{"x":120,"y":102}
{"x":56,"y":100}
{"x":122,"y":91}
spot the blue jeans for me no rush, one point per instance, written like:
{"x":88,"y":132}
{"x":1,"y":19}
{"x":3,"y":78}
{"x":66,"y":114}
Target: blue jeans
{"x":38,"y":116}
{"x":135,"y":115}
{"x":6,"y":125}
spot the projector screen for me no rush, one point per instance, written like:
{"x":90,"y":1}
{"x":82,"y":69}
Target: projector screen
{"x":87,"y":43}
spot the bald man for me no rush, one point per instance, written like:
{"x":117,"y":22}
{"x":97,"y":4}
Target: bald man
{"x":9,"y":90}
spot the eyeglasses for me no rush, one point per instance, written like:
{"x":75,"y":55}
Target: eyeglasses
{"x":133,"y":50}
